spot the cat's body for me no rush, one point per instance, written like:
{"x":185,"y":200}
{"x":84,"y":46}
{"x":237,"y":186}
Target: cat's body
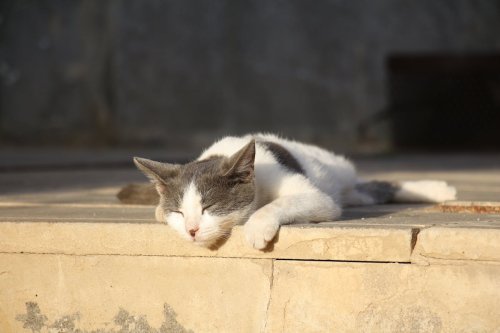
{"x":265,"y":181}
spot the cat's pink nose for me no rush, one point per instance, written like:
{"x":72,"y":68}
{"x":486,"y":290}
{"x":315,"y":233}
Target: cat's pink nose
{"x":193,"y":231}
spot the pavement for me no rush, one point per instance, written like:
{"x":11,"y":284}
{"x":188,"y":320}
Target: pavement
{"x":33,"y":178}
{"x":81,"y":188}
{"x":68,"y":246}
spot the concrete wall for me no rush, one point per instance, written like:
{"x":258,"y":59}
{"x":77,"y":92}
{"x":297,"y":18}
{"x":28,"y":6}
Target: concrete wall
{"x":172,"y":72}
{"x":102,"y":277}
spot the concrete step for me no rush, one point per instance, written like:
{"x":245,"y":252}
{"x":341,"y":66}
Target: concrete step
{"x":386,"y":233}
{"x":73,"y":259}
{"x":110,"y":267}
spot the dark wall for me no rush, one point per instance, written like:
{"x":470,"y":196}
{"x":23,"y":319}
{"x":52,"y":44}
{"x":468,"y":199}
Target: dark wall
{"x":121,"y":72}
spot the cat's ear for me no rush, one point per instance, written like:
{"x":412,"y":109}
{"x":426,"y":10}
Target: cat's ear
{"x":240,"y":166}
{"x":157,"y":172}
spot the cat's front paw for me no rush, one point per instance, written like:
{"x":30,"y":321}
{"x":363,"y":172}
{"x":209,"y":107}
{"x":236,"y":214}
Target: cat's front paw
{"x":259,"y":232}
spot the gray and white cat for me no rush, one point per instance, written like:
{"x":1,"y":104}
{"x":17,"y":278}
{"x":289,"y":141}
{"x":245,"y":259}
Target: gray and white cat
{"x":264,"y":181}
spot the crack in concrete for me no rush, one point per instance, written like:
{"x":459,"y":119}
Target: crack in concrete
{"x":271,"y":282}
{"x":464,"y":260}
{"x":414,"y":239}
{"x":129,"y":255}
{"x":199,"y":256}
{"x":283,"y":321}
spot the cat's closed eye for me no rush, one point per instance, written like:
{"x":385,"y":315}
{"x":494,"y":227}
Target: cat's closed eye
{"x":205,"y":208}
{"x":178,"y":212}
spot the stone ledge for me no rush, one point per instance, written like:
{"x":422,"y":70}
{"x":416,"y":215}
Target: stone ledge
{"x":370,"y":234}
{"x":391,"y":244}
{"x":91,"y":264}
{"x":457,"y":243}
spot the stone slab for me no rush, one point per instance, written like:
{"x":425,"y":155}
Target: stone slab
{"x":376,"y":243}
{"x":384,"y":297}
{"x":459,"y":243}
{"x":64,"y":236}
{"x":63,"y":176}
{"x":378,"y":233}
{"x":417,"y":216}
{"x":68,"y":213}
{"x":94,"y":186}
{"x":60,"y":293}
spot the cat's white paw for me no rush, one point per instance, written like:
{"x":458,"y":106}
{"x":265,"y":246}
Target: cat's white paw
{"x":259,"y":232}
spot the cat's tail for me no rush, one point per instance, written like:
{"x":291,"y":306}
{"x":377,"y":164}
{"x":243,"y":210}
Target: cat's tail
{"x":139,"y":194}
{"x":419,"y":191}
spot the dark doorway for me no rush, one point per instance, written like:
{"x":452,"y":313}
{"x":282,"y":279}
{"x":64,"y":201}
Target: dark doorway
{"x":445,"y":102}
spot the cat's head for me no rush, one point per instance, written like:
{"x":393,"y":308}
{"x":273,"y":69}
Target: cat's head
{"x":203,"y":200}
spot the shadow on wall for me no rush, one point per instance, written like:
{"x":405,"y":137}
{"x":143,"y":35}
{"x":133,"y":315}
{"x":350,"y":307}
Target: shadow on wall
{"x":177,"y":73}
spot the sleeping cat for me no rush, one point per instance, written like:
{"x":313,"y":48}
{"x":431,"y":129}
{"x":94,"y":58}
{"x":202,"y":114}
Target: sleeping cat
{"x":264,"y":181}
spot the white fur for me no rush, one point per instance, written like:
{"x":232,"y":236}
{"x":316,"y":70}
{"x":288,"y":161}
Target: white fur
{"x":191,"y":216}
{"x":283,"y":197}
{"x":329,"y":173}
{"x":191,"y":207}
{"x":176,"y":222}
{"x":425,"y":191}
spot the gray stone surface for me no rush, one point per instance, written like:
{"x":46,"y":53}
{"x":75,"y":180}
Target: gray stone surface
{"x":61,"y":176}
{"x":94,"y":72}
{"x":386,"y":216}
{"x":65,"y":203}
{"x":71,"y":256}
{"x":67,"y":199}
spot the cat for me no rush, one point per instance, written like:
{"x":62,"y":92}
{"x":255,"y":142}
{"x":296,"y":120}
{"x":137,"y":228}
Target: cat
{"x":263,"y":181}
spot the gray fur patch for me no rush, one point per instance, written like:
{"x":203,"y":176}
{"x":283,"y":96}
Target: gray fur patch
{"x":170,"y":198}
{"x":219,"y":194}
{"x":222,"y":194}
{"x":226,"y":184}
{"x":380,"y":191}
{"x":283,"y":156}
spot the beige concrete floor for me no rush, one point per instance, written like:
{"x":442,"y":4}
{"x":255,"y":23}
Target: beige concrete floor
{"x":87,"y":177}
{"x":382,"y":267}
{"x":62,"y":187}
